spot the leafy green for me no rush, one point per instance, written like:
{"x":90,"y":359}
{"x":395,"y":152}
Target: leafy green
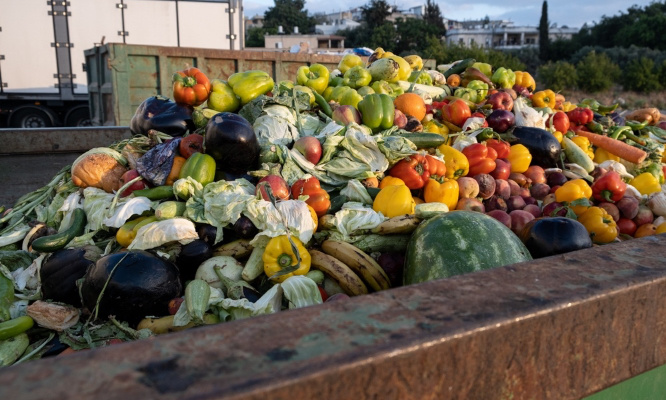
{"x":301,"y":291}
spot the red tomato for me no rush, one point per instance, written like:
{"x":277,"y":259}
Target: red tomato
{"x":559,"y":121}
{"x":456,"y":112}
{"x":191,"y":144}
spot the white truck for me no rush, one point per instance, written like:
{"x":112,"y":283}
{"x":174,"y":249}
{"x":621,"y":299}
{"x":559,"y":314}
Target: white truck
{"x":43,"y":79}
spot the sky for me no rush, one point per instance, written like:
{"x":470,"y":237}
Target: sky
{"x":572,"y":13}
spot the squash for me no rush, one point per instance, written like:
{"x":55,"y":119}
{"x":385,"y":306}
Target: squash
{"x":545,"y":237}
{"x":62,"y":269}
{"x":460,"y":242}
{"x":139,"y":284}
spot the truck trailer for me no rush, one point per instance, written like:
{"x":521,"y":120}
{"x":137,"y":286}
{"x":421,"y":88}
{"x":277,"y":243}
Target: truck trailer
{"x":43,"y":77}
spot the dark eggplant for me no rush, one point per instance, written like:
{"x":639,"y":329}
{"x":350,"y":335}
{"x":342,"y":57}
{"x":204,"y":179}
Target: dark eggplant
{"x":244,"y":228}
{"x":155,"y":165}
{"x":207,"y":233}
{"x":138,"y":284}
{"x":231,"y":141}
{"x":62,"y":269}
{"x":191,"y":256}
{"x":543,"y":146}
{"x":164,"y":115}
{"x":549,"y":236}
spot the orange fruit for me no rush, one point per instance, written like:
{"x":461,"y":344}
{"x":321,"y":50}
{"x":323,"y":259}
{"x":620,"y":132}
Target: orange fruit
{"x":411,"y":104}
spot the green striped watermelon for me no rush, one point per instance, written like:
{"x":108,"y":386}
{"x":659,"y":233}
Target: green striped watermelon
{"x":460,"y":242}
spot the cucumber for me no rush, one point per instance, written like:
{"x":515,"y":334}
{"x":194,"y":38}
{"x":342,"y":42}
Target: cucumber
{"x":156,"y":193}
{"x":460,"y":67}
{"x":424,"y":140}
{"x":577,"y":155}
{"x":460,"y":242}
{"x":170,"y":209}
{"x":49,"y":244}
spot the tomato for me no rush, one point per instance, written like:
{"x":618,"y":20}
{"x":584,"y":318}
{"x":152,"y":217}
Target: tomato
{"x":456,"y":112}
{"x":191,"y":144}
{"x":559,"y":121}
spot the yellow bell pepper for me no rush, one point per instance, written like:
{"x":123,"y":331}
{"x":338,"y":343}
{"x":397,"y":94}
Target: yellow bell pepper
{"x":446,"y":192}
{"x":457,"y":164}
{"x":390,"y":181}
{"x":279,"y":255}
{"x":126,"y":233}
{"x":415,"y":62}
{"x":520,"y":158}
{"x":568,"y":106}
{"x":646,"y":183}
{"x":661,"y":228}
{"x":601,"y":155}
{"x":525,"y":80}
{"x":434,"y":126}
{"x":544,"y":98}
{"x":404,"y":68}
{"x":599,"y":224}
{"x":574,"y":190}
{"x":584,"y":144}
{"x":558,"y":135}
{"x":394,"y":200}
{"x":314,"y":216}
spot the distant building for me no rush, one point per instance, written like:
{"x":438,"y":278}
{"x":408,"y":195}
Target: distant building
{"x":500,"y":35}
{"x":304,"y":43}
{"x":330,"y":28}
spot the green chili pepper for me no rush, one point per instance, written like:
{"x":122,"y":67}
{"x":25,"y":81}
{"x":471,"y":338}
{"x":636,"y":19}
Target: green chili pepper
{"x":635,"y":125}
{"x":595,"y":127}
{"x":614,"y":132}
{"x":15,"y":326}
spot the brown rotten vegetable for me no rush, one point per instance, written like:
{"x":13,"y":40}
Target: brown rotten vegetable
{"x":99,"y":168}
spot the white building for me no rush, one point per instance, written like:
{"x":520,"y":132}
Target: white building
{"x":330,"y":28}
{"x":500,"y":35}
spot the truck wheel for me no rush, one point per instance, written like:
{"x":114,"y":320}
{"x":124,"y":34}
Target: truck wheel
{"x":30,"y":118}
{"x":78,"y":117}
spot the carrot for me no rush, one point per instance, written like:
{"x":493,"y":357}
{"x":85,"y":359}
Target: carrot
{"x":615,"y":146}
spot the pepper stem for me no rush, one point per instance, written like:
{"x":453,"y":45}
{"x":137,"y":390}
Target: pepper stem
{"x":284,"y":260}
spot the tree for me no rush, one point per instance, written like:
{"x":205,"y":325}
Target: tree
{"x":433,"y":18}
{"x":412,"y":34}
{"x":255,"y":37}
{"x":376,"y":13}
{"x":544,"y":40}
{"x":289,"y":14}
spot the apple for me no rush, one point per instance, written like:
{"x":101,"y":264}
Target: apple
{"x":128,"y":176}
{"x":310,"y":147}
{"x":501,"y":101}
{"x":344,"y":115}
{"x":501,"y":120}
{"x":277,"y":184}
{"x":521,"y":90}
{"x":502,"y":216}
{"x":470,"y":204}
{"x":191,"y":144}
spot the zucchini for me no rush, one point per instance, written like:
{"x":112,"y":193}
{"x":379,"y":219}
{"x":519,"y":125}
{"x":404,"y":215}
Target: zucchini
{"x":424,"y":140}
{"x":48,"y":244}
{"x":459,"y":67}
{"x":576,"y":155}
{"x":197,"y":295}
{"x":13,"y":327}
{"x":156,"y":193}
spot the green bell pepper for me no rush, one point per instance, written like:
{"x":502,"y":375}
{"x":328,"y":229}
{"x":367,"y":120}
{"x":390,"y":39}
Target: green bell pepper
{"x":481,"y":89}
{"x":357,"y":76}
{"x":421,"y":77}
{"x":334,"y":81}
{"x":504,"y":77}
{"x":343,"y":95}
{"x":348,"y":62}
{"x":392,"y":89}
{"x":377,"y":111}
{"x":222,"y":97}
{"x":201,"y":167}
{"x":365,"y":90}
{"x":250,"y":84}
{"x":315,"y":77}
{"x":466,"y":94}
{"x":486,"y":68}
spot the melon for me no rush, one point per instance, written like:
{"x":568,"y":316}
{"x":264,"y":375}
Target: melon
{"x":460,"y":242}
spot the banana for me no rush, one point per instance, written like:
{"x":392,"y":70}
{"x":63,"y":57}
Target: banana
{"x":406,"y":223}
{"x":338,"y":271}
{"x":237,"y":249}
{"x":360,"y":262}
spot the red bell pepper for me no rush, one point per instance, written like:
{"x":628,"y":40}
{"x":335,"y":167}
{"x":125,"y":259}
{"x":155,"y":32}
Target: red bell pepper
{"x":559,"y":121}
{"x":413,"y":170}
{"x":480,"y":159}
{"x":436,"y":167}
{"x":500,"y":146}
{"x":190,"y":86}
{"x":318,"y":198}
{"x":609,"y":187}
{"x":580,"y":116}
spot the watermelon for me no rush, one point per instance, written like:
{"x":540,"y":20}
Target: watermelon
{"x":460,"y":242}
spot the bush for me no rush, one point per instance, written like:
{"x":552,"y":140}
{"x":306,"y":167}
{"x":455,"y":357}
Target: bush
{"x":640,"y":75}
{"x":445,"y":53}
{"x":557,"y":76}
{"x":596,"y":72}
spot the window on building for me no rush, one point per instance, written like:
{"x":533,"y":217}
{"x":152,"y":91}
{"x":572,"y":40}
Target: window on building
{"x":471,"y":42}
{"x":461,"y":41}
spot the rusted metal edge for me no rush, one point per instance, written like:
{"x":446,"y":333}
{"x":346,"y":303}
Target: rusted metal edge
{"x":59,"y":140}
{"x":562,"y":327}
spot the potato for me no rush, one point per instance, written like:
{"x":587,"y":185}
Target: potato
{"x":651,"y":115}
